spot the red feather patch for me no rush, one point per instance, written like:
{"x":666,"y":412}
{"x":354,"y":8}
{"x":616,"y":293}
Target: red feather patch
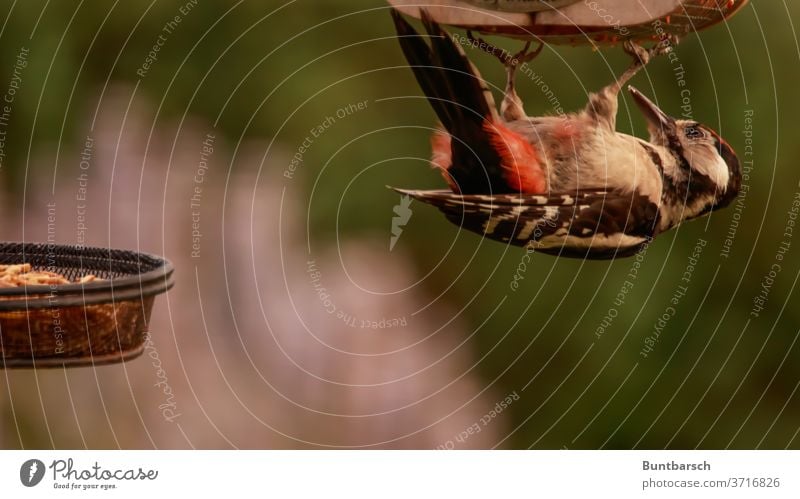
{"x":518,"y":159}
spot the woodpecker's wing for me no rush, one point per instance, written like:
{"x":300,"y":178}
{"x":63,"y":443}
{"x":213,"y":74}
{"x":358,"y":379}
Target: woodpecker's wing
{"x":589,"y":223}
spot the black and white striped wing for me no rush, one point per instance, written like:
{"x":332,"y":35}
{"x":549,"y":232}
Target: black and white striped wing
{"x":594,"y":224}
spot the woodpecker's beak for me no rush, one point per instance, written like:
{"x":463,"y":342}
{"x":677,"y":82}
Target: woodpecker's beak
{"x":658,"y":122}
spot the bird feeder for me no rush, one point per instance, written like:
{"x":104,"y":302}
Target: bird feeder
{"x":78,"y":323}
{"x":577,"y":22}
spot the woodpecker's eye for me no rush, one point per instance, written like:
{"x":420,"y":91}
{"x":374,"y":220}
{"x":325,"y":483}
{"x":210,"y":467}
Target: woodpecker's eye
{"x":693,"y":132}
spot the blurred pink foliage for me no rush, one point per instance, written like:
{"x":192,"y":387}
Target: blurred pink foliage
{"x":249,"y":355}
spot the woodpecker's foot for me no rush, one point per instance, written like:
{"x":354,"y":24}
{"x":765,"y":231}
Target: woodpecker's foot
{"x":639,"y":54}
{"x":642,"y":56}
{"x":490,"y":49}
{"x":511,"y":108}
{"x":526,"y":55}
{"x":506,"y":58}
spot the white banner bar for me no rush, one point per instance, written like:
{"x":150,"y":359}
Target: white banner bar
{"x":400,"y":474}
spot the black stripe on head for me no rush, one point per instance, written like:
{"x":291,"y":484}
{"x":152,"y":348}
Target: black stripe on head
{"x":677,"y":150}
{"x":654,"y":156}
{"x":695,"y":184}
{"x":673,"y":193}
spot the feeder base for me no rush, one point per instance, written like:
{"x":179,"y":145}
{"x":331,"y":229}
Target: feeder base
{"x":582,"y":23}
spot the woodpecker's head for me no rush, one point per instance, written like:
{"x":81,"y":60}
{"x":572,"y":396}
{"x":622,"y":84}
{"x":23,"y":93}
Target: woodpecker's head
{"x":706,"y":163}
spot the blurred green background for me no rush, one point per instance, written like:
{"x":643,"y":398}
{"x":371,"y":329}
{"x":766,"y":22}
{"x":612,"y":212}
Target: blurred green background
{"x":272,"y":71}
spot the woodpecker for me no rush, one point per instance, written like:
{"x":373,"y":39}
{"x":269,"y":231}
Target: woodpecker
{"x":568,"y":185}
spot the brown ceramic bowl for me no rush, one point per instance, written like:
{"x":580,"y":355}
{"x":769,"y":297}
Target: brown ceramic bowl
{"x":99,"y":322}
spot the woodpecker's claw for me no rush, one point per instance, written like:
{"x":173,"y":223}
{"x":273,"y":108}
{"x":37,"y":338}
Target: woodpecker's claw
{"x":644,"y":55}
{"x":507,"y":59}
{"x":488,"y":47}
{"x":527,"y":55}
{"x":638,"y":52}
{"x":511,"y":108}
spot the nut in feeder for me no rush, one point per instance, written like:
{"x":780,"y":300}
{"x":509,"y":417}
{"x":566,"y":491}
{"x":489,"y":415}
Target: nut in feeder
{"x":577,"y":21}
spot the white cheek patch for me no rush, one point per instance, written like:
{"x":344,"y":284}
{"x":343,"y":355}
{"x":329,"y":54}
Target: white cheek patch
{"x":723,"y":173}
{"x":712,"y":166}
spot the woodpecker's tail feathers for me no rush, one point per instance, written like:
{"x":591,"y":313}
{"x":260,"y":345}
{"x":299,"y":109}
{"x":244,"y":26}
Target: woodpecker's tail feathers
{"x":478,"y":154}
{"x":459,"y":96}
